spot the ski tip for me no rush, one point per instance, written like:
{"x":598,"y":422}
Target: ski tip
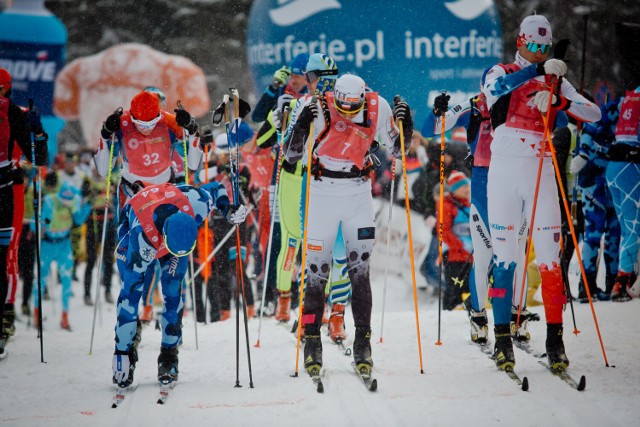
{"x":582,"y":384}
{"x":320,"y":388}
{"x":114,"y":405}
{"x":160,"y":402}
{"x":374,"y":385}
{"x":525,"y":384}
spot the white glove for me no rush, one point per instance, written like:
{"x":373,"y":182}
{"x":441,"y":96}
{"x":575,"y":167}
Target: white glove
{"x":276,"y":115}
{"x":430,"y":221}
{"x":120,"y":365}
{"x":541,"y":100}
{"x":577,"y":163}
{"x":555,"y":66}
{"x":237,"y":215}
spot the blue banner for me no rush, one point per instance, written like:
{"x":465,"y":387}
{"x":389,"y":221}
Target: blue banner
{"x":415,"y":49}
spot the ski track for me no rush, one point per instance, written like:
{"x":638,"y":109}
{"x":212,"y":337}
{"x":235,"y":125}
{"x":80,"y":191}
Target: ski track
{"x":460,"y":382}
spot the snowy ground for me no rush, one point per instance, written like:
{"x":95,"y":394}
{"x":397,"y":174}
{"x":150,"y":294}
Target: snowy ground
{"x":459,"y":385}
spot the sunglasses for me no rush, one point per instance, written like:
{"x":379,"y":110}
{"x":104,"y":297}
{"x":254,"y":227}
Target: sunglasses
{"x":144,"y":126}
{"x":534,"y":47}
{"x":312,"y":76}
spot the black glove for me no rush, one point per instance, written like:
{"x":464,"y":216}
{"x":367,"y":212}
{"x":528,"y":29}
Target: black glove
{"x":309,"y":113}
{"x":85,"y":190}
{"x":441,"y":104}
{"x":183,"y":118}
{"x":401,"y":111}
{"x":206,"y":136}
{"x":33,"y":120}
{"x":112,"y":124}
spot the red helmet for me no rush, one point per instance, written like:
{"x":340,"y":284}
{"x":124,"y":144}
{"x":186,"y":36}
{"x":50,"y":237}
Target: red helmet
{"x":5,"y":79}
{"x":145,"y":106}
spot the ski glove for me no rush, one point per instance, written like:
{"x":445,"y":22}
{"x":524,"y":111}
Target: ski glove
{"x":552,"y":66}
{"x":577,"y":163}
{"x":309,"y":113}
{"x":184,"y":119}
{"x":121,"y":365}
{"x":441,"y":104}
{"x":401,"y":111}
{"x":111,"y":125}
{"x":34,"y":122}
{"x":281,"y":76}
{"x":236,"y":214}
{"x":541,"y":100}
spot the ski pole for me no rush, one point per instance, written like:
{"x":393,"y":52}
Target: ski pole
{"x":386,"y":266}
{"x":193,"y":300}
{"x":303,"y":264}
{"x":36,"y":211}
{"x":267,"y":262}
{"x":104,"y":236}
{"x":440,"y":220}
{"x":573,"y":233}
{"x":410,"y":236}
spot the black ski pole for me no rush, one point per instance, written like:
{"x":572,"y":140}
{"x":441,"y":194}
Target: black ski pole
{"x":36,"y":203}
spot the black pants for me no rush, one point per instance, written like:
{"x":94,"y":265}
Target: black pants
{"x":93,"y":239}
{"x":6,"y":233}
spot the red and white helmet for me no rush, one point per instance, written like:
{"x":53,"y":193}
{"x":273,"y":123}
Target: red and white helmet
{"x":349,"y":94}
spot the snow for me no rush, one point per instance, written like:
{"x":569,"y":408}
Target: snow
{"x":459,"y":385}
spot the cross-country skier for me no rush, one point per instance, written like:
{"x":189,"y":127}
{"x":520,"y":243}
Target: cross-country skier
{"x":16,"y":127}
{"x":518,"y":96}
{"x":160,"y":222}
{"x":597,"y":204}
{"x":345,"y":123}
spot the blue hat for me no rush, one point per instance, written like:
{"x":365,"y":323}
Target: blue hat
{"x":326,"y":70}
{"x":245,"y":134}
{"x":180,"y":232}
{"x":299,"y":63}
{"x":67,"y":193}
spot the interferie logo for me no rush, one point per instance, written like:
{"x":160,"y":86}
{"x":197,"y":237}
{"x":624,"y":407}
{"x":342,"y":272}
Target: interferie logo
{"x":389,"y":47}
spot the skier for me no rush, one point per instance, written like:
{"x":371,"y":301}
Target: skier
{"x":517,"y":97}
{"x":16,"y":127}
{"x":597,"y":205}
{"x":287,"y":80}
{"x":160,"y":222}
{"x":345,"y":123}
{"x":61,"y":211}
{"x":623,"y":175}
{"x":146,"y":137}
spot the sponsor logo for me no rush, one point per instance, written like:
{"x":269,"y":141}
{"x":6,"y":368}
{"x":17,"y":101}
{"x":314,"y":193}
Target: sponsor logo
{"x":476,"y":218}
{"x":289,"y":12}
{"x":169,"y":194}
{"x":33,"y":71}
{"x":483,"y":236}
{"x":468,"y":10}
{"x":502,"y":227}
{"x":551,"y":227}
{"x":542,"y":31}
{"x":315,"y":245}
{"x":133,"y":143}
{"x":341,"y":126}
{"x":556,"y":237}
{"x":173,"y":266}
{"x":366,"y":233}
{"x":291,"y":250}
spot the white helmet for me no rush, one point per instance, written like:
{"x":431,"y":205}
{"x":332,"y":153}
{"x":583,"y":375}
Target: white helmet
{"x":349,"y":94}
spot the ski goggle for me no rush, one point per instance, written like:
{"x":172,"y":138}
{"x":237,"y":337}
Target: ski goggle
{"x":148,"y":125}
{"x":312,"y":76}
{"x":182,"y":253}
{"x":348,"y":106}
{"x":534,"y":47}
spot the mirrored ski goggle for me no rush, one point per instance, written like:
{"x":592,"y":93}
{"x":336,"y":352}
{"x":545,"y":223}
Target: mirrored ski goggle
{"x":312,"y":76}
{"x":149,"y":125}
{"x":181,"y":253}
{"x":534,"y":47}
{"x":348,"y":105}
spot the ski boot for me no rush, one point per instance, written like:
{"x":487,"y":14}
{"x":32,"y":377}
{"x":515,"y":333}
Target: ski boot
{"x":624,"y":282}
{"x":36,"y":317}
{"x":522,"y":334}
{"x":362,"y":349}
{"x":503,"y":349}
{"x":225,"y":315}
{"x":9,"y":320}
{"x":168,"y":365}
{"x":283,"y":309}
{"x":64,"y":321}
{"x":336,"y":323}
{"x":87,"y":300}
{"x":26,"y":310}
{"x":251,"y":312}
{"x":479,"y":329}
{"x":133,"y":358}
{"x":555,"y":348}
{"x":138,"y":336}
{"x":312,"y":349}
